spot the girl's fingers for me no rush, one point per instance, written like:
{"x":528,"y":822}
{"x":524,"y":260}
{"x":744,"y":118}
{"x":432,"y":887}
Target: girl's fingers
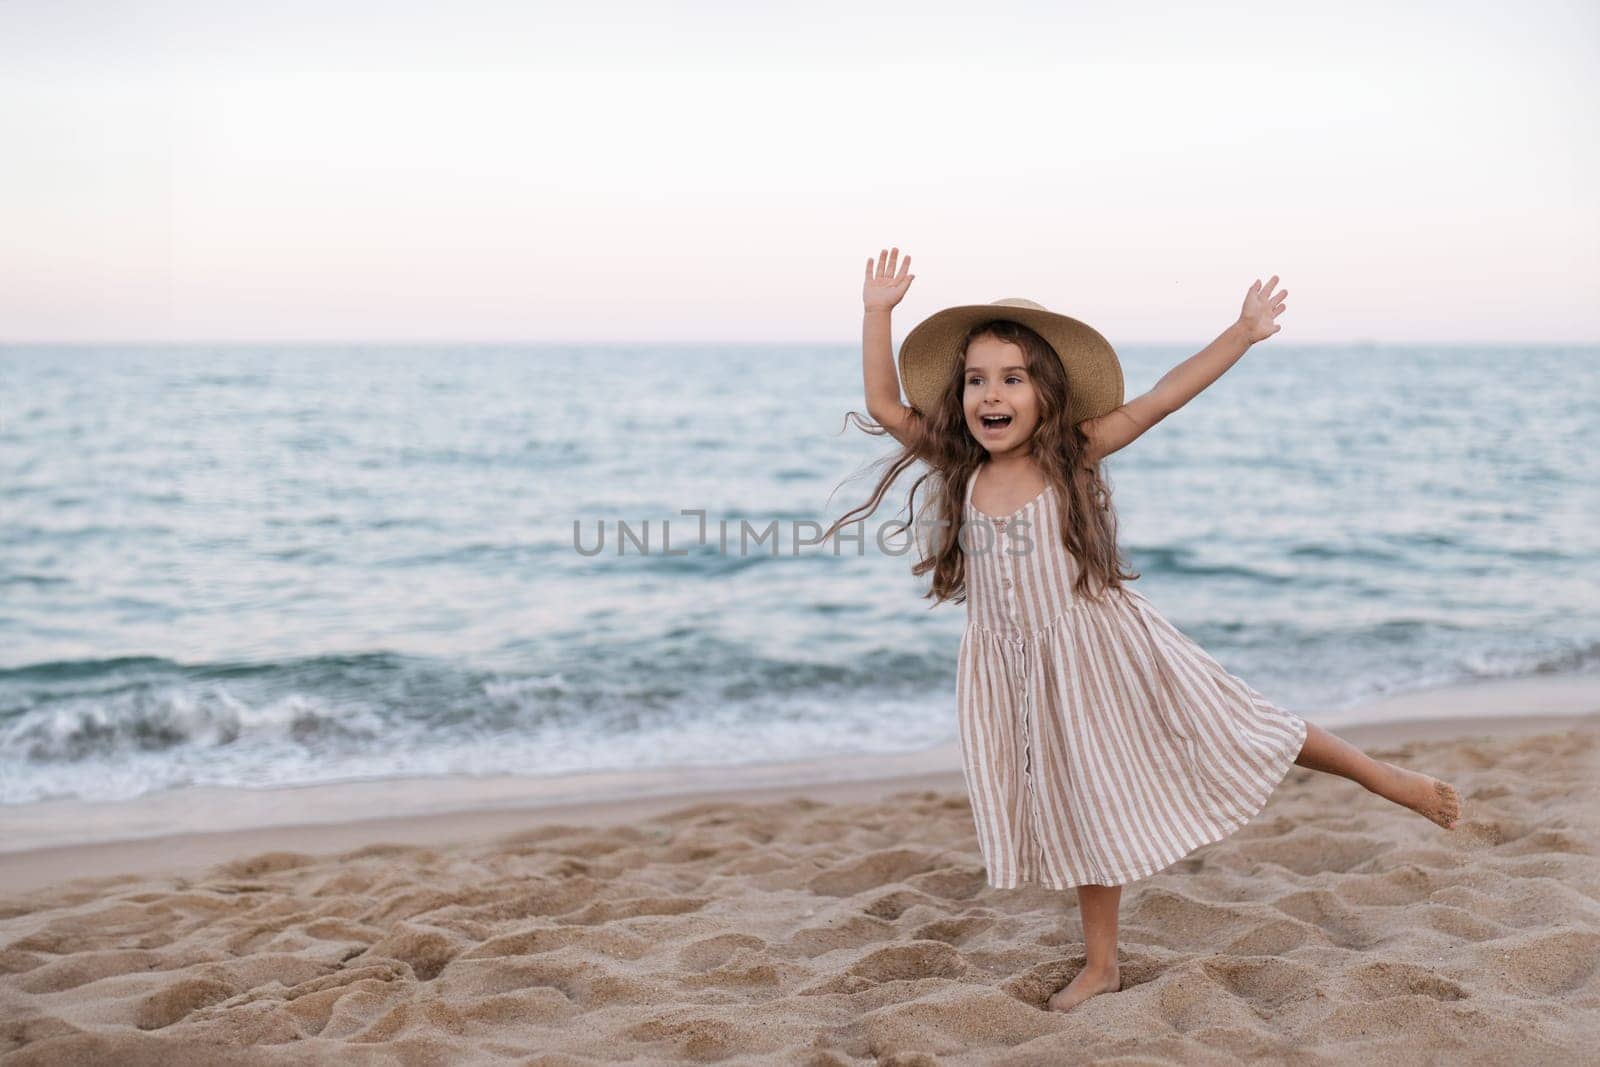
{"x":888,"y":261}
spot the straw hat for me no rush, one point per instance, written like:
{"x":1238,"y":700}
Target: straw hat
{"x":929,"y":354}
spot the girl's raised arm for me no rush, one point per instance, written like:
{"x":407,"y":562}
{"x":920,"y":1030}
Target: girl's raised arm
{"x":882,"y":291}
{"x":1123,"y":425}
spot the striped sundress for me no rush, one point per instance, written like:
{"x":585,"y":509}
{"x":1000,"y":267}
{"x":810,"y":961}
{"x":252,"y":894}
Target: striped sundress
{"x":1099,"y":744}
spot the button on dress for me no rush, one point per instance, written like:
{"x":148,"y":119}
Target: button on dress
{"x":1099,"y":744}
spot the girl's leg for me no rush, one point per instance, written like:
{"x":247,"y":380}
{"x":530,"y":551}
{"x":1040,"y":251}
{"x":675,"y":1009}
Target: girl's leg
{"x":1436,"y":800}
{"x":1098,"y":905}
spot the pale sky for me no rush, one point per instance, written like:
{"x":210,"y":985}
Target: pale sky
{"x":511,"y":172}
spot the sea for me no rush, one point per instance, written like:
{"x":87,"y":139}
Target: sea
{"x":260,"y":566}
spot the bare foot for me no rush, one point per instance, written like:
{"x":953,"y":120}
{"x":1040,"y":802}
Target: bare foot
{"x":1435,"y":800}
{"x":1085,"y":985}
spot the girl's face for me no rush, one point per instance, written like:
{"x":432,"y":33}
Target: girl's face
{"x":997,"y":383}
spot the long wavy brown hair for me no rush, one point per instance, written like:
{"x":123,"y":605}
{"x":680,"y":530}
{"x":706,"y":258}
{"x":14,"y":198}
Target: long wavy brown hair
{"x":942,"y":440}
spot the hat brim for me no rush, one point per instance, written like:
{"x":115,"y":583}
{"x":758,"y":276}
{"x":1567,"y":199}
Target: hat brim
{"x":929,"y":353}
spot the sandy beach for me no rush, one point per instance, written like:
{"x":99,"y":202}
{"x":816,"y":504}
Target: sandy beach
{"x":830,"y":922}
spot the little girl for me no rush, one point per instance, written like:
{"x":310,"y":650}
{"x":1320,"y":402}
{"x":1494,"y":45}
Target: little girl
{"x":1099,"y":744}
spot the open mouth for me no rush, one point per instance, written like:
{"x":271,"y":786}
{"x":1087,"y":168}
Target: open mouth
{"x":995,"y":422}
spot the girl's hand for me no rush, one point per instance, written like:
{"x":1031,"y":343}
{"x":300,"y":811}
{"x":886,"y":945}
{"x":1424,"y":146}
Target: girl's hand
{"x":1259,"y":310}
{"x":884,"y":288}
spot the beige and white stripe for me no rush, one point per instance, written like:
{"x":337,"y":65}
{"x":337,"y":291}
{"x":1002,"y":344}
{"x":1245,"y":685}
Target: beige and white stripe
{"x":1100,"y":745}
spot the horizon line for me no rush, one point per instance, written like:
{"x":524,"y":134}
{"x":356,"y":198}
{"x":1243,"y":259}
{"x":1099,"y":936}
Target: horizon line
{"x":308,"y":342}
